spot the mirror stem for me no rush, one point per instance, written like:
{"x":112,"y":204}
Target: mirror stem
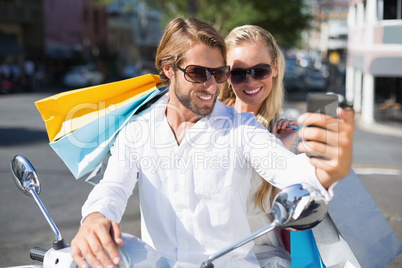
{"x":256,"y":234}
{"x":59,"y":240}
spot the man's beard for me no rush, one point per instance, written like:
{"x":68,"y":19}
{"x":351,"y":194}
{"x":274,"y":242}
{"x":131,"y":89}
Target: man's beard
{"x":190,"y":104}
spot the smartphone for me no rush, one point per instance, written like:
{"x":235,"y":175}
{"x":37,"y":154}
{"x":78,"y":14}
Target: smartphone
{"x":322,"y":103}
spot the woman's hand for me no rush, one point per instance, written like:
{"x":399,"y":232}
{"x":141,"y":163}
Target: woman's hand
{"x":286,"y":130}
{"x":96,"y":239}
{"x":330,"y":142}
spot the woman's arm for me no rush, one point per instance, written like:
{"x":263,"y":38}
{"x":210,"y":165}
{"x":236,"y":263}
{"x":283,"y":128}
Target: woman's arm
{"x":286,"y":131}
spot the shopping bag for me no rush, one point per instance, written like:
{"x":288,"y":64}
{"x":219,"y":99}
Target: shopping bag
{"x":357,"y":219}
{"x":68,"y":111}
{"x":84,"y":137}
{"x":303,"y":250}
{"x":334,"y":250}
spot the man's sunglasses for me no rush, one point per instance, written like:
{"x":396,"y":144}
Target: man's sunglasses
{"x":258,"y":72}
{"x":200,"y":74}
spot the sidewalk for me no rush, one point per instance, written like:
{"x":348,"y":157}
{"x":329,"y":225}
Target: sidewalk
{"x":381,"y":128}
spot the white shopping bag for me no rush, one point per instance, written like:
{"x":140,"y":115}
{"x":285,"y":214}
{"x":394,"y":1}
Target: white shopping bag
{"x":356,"y":219}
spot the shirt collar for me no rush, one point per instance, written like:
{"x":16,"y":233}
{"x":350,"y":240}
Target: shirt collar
{"x":160,"y":108}
{"x":220,"y":111}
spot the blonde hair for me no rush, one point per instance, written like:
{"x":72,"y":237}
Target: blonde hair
{"x":180,"y":35}
{"x":269,"y":111}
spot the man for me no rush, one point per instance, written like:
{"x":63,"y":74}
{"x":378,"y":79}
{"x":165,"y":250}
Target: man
{"x":192,"y":157}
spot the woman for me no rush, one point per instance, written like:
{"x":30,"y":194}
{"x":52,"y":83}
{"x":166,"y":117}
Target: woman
{"x":255,"y":86}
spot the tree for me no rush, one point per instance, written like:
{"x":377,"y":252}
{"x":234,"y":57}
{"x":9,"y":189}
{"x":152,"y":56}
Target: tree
{"x":285,"y":19}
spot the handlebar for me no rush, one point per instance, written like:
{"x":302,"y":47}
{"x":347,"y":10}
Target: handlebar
{"x":37,"y":253}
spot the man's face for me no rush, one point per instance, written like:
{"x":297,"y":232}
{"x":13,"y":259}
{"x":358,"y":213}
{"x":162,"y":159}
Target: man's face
{"x":192,"y":98}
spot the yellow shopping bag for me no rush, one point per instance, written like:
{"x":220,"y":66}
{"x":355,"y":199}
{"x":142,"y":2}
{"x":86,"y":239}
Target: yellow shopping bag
{"x":68,"y":111}
{"x":83,"y":124}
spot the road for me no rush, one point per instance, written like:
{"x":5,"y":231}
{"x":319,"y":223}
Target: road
{"x":377,"y":160}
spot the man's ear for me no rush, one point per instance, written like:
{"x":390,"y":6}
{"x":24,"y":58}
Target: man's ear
{"x":168,"y":71}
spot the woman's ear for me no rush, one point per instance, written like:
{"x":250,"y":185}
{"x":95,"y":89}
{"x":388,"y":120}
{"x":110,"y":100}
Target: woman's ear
{"x":168,"y":71}
{"x":275,"y":68}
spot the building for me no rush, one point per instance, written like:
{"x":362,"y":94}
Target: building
{"x":74,"y":27}
{"x":52,"y":28}
{"x":134,"y":33}
{"x":374,"y":63}
{"x":21,"y":30}
{"x":327,"y":40}
{"x":333,"y":43}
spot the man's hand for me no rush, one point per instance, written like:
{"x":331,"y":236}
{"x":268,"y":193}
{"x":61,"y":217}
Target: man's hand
{"x":96,"y":238}
{"x":330,"y":140}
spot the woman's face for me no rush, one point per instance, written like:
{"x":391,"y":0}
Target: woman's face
{"x":252,"y":92}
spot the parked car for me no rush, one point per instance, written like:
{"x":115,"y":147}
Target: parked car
{"x":83,"y":76}
{"x":293,"y":79}
{"x":315,"y":81}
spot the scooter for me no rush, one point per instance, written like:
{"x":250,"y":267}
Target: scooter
{"x":294,"y":208}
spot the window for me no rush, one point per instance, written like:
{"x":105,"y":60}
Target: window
{"x":390,"y":9}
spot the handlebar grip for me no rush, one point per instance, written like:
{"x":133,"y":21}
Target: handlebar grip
{"x":37,"y":253}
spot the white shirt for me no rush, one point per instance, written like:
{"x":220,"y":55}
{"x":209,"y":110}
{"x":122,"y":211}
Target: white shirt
{"x":193,"y":196}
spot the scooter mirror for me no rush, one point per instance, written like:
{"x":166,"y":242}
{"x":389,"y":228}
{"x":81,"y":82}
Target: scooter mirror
{"x":294,"y":208}
{"x":299,"y":209}
{"x":27,"y":181}
{"x":24,"y":175}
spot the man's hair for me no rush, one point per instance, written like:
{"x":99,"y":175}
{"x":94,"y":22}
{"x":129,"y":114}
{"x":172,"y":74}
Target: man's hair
{"x":180,"y":36}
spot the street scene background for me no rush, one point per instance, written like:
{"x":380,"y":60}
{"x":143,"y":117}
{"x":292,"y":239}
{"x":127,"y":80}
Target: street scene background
{"x":350,"y":48}
{"x":377,"y":161}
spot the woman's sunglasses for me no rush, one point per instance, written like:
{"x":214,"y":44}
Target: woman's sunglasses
{"x":258,"y":72}
{"x":200,"y":74}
